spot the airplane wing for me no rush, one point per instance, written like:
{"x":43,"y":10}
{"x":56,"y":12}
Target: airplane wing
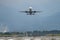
{"x":24,"y":11}
{"x":36,"y":11}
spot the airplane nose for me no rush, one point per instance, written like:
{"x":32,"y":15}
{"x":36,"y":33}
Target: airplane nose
{"x":30,"y":7}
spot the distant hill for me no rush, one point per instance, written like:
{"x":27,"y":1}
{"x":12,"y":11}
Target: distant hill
{"x":34,"y":33}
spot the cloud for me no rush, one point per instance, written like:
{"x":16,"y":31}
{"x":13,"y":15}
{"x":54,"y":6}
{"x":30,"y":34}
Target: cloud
{"x":22,"y":2}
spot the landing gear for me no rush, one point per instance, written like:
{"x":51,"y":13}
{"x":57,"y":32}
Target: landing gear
{"x":33,"y":14}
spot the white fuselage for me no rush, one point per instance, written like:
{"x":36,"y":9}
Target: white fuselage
{"x":30,"y":10}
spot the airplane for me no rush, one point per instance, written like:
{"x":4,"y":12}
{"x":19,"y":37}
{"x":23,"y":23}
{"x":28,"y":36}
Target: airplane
{"x":30,"y":11}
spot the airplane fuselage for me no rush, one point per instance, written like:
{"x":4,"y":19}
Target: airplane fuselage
{"x":30,"y":11}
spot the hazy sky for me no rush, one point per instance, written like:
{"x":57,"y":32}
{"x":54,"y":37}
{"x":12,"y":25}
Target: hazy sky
{"x":49,"y":19}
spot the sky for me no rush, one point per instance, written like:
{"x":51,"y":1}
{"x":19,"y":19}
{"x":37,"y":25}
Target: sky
{"x":48,"y":19}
